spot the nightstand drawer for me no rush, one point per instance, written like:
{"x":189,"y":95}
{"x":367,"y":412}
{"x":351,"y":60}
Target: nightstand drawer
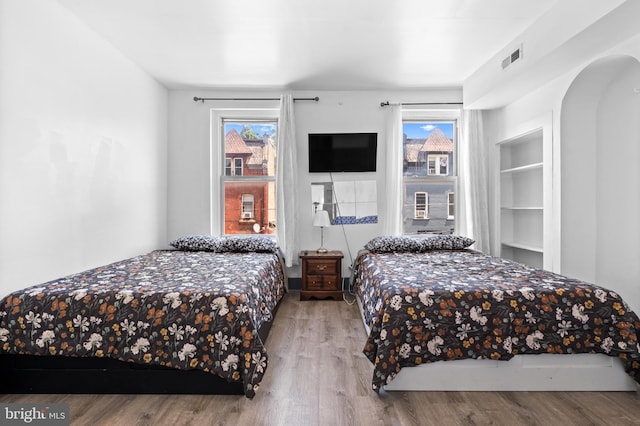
{"x":322,"y":267}
{"x":322,"y":282}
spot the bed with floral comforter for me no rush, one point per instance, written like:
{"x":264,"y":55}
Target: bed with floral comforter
{"x":434,"y":303}
{"x":186,"y":309}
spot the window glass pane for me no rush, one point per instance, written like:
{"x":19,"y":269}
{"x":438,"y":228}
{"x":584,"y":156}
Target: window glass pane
{"x":428,"y":148}
{"x":437,"y":210}
{"x":432,"y":165}
{"x":237,"y":169}
{"x":443,"y":162}
{"x":429,"y":176}
{"x":451,"y":205}
{"x":249,"y":194}
{"x":227,"y":166}
{"x":252,"y":144}
{"x":249,"y":203}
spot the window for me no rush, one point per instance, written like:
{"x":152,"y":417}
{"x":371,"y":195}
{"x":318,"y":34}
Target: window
{"x":247,"y":140}
{"x":438,"y":165}
{"x":429,"y":173}
{"x":227,"y":167}
{"x":247,"y":206}
{"x":421,"y":203}
{"x":236,"y":170}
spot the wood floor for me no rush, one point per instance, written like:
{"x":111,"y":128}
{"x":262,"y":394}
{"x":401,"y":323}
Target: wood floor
{"x":318,"y":375}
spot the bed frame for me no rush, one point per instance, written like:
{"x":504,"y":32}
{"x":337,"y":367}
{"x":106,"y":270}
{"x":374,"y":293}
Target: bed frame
{"x":544,"y":372}
{"x":27,"y":374}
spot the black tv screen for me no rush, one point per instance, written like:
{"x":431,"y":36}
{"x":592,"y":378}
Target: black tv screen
{"x":342,"y":152}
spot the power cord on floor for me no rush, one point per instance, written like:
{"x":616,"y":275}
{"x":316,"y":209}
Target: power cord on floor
{"x":346,"y":299}
{"x":347,"y":295}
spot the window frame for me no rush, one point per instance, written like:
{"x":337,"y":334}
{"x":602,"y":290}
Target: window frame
{"x":247,"y":213}
{"x":453,"y":116}
{"x":451,"y":203}
{"x":218,"y":116}
{"x":426,"y":205}
{"x":228,"y":166}
{"x":238,"y":165}
{"x":436,"y":158}
{"x":232,"y":165}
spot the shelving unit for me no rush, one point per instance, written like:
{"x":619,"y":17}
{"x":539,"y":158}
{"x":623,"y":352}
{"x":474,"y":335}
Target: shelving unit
{"x":522,"y":203}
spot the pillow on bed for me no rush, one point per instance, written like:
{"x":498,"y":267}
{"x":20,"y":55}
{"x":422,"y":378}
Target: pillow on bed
{"x":405,"y":243}
{"x":446,"y":242}
{"x":197,"y":243}
{"x":238,"y":244}
{"x":389,"y":244}
{"x":248,"y":243}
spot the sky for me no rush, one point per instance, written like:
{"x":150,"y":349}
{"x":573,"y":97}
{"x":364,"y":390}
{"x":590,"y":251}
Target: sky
{"x":259,"y":128}
{"x":422,"y":130}
{"x":413,"y":130}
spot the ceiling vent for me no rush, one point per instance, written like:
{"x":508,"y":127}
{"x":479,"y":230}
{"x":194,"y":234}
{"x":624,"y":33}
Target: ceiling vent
{"x":516,"y":55}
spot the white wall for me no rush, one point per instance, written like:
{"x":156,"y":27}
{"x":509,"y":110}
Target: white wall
{"x":189,"y":153}
{"x":619,"y":185}
{"x":601,"y":204}
{"x":590,"y":241}
{"x":82,"y":148}
{"x":562,"y":38}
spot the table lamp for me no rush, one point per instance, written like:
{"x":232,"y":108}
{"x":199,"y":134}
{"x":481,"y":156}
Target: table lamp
{"x":321,"y":219}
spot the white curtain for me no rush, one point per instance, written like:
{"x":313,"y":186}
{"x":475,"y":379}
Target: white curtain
{"x":394,"y":193}
{"x":474,"y":204}
{"x":286,"y":178}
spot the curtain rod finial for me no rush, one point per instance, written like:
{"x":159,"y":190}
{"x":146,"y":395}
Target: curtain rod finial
{"x":196,"y":99}
{"x":384,"y":104}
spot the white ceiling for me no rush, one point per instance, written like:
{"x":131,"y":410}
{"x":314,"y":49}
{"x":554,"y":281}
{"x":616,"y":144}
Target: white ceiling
{"x":309,"y":44}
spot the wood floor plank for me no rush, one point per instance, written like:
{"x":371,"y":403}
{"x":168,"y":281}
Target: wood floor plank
{"x":318,"y":376}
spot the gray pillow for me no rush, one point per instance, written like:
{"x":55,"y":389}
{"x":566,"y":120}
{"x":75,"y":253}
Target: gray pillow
{"x":228,"y":243}
{"x":417,"y":244}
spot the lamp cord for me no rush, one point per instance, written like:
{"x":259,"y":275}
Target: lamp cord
{"x":346,"y":240}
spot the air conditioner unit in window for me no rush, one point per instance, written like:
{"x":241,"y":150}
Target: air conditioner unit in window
{"x":421,"y":214}
{"x":247,"y":215}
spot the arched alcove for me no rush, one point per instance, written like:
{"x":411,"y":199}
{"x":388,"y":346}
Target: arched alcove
{"x":600,"y":182}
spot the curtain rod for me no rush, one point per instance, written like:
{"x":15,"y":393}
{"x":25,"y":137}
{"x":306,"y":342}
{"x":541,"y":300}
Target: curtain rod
{"x":387,"y":103}
{"x":196,"y":99}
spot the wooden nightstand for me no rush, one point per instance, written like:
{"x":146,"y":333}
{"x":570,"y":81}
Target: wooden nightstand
{"x":321,"y":275}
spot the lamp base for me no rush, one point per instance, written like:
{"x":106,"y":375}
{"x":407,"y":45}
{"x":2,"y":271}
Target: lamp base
{"x":322,"y":250}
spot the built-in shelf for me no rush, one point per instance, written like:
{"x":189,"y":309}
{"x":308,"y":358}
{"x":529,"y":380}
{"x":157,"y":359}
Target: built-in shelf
{"x":524,"y":168}
{"x":535,"y":259}
{"x":521,"y":199}
{"x":523,"y":246}
{"x":522,"y":208}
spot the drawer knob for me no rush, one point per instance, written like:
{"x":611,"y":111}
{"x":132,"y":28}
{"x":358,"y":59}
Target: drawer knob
{"x":321,"y":267}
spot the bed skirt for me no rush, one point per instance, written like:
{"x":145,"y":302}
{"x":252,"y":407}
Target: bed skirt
{"x":31,"y":374}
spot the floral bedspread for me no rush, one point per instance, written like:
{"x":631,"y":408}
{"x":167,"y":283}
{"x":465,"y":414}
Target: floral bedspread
{"x":182,"y":309}
{"x":448,"y":305}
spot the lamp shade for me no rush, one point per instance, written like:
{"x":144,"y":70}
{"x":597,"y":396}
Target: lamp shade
{"x":321,"y":218}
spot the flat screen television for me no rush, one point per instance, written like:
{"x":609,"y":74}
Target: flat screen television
{"x":342,"y":152}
